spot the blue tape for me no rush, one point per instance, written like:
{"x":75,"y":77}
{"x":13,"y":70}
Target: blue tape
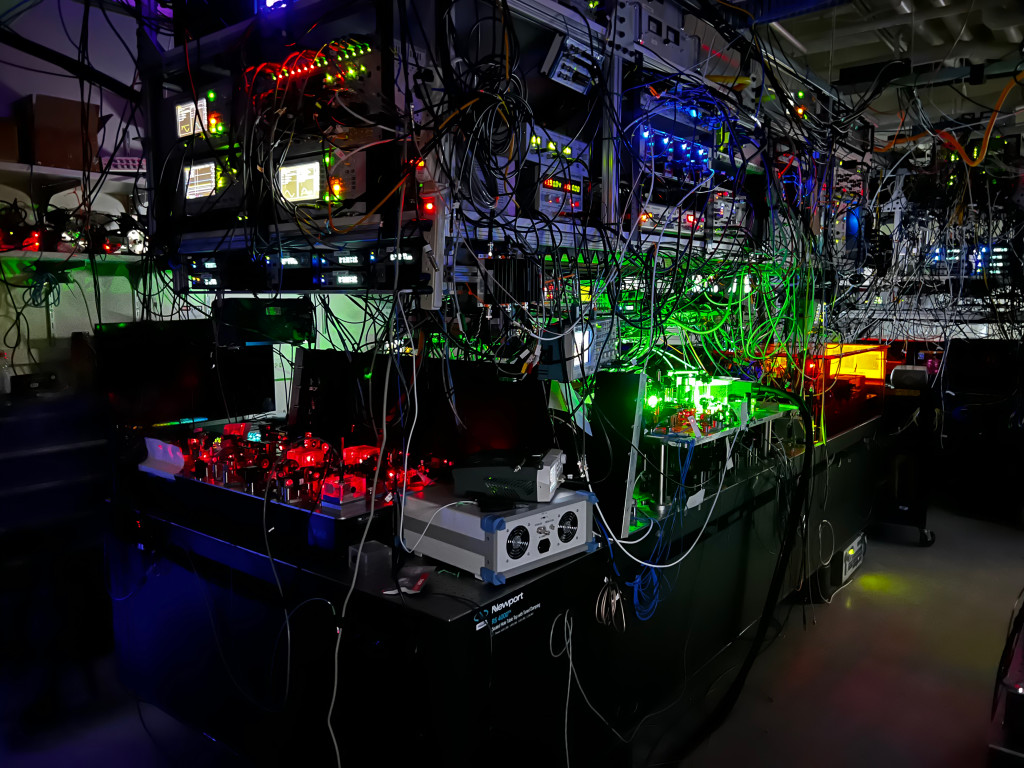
{"x":593,"y":546}
{"x":497,"y":579}
{"x":492,"y":523}
{"x":592,"y":498}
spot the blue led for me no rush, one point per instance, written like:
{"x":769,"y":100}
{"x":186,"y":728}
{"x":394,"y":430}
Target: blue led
{"x":664,"y":140}
{"x":646,"y":134}
{"x":693,"y":113}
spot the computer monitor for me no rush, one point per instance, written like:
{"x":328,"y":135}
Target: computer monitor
{"x":172,"y":372}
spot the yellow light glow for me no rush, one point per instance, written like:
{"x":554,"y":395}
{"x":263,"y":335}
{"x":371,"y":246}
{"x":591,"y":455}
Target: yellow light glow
{"x":867,"y":360}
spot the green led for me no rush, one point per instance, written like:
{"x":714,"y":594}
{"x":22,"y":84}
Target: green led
{"x":552,"y":147}
{"x":350,"y":72}
{"x":211,"y":95}
{"x":566,"y":150}
{"x":535,"y":141}
{"x":652,"y":401}
{"x":362,"y":67}
{"x":799,"y":94}
{"x":593,"y":4}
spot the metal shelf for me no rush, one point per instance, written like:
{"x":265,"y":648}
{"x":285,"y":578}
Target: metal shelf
{"x":16,"y":174}
{"x":75,"y":260}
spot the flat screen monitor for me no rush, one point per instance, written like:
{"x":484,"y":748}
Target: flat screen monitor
{"x":171,"y":372}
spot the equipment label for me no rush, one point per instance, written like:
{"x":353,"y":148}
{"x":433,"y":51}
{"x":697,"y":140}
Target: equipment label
{"x":505,"y":613}
{"x":512,"y":616}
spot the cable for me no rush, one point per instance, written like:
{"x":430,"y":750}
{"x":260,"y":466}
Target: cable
{"x":700,"y":533}
{"x":334,"y":698}
{"x":415,"y":546}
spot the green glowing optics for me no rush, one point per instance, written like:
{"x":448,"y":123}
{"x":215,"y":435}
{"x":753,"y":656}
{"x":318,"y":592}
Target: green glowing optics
{"x":652,"y":401}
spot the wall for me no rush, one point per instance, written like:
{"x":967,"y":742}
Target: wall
{"x":57,"y":25}
{"x":46,"y":331}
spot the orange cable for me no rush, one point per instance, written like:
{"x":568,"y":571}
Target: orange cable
{"x":951,"y":140}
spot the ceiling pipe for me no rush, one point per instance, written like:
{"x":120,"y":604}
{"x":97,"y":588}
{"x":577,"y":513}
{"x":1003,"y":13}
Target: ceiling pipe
{"x":890,"y":22}
{"x":788,"y":36}
{"x":973,"y":51}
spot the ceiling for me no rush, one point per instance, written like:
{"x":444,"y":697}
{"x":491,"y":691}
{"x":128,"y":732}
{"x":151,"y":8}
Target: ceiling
{"x":933,"y":34}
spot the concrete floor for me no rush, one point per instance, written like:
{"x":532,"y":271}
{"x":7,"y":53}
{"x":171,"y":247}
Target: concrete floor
{"x":897,"y":671}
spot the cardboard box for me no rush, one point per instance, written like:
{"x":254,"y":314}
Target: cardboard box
{"x":8,"y":140}
{"x":50,"y":131}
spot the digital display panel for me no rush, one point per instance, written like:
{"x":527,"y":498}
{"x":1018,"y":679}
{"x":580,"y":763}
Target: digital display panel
{"x":200,"y":180}
{"x":563,"y":185}
{"x":189,"y":122}
{"x":300,"y":182}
